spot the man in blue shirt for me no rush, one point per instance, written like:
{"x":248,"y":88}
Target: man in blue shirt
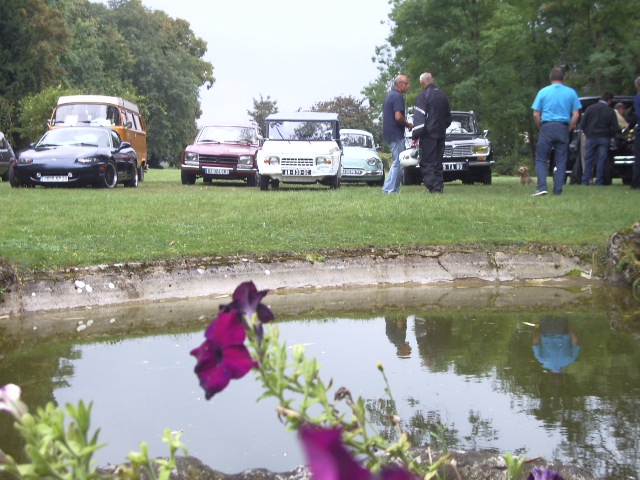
{"x":556,"y":110}
{"x":635,"y":176}
{"x":393,"y":125}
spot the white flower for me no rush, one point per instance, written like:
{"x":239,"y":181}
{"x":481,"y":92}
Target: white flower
{"x":10,"y":401}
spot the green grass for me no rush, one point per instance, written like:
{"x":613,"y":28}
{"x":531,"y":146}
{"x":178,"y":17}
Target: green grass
{"x":51,"y":228}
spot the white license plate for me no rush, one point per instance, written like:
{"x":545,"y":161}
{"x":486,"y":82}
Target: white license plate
{"x":54,"y":178}
{"x":298,"y":172}
{"x":454,"y":166}
{"x":351,"y":171}
{"x":217,"y":171}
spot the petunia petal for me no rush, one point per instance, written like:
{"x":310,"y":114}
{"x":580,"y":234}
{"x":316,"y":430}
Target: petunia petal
{"x":10,"y":401}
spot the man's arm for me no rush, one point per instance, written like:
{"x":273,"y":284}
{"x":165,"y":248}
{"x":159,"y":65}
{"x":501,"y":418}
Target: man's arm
{"x":400,"y":118}
{"x":575,"y":116}
{"x":537,"y":118}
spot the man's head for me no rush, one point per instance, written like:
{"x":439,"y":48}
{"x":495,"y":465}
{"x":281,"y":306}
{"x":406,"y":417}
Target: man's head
{"x":620,"y":108}
{"x":607,"y":97}
{"x":637,"y":83}
{"x":426,"y":79}
{"x":557,"y":74}
{"x":401,"y":83}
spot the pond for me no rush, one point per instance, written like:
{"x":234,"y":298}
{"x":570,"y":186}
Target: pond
{"x":461,"y":364}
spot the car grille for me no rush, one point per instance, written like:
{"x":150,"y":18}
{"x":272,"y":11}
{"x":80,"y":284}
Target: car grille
{"x":458,"y":151}
{"x":296,"y":162}
{"x":217,"y":160}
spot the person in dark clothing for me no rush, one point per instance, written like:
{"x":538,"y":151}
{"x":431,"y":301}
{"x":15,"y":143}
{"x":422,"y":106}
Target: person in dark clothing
{"x":431,"y":117}
{"x":599,"y":123}
{"x":635,"y":176}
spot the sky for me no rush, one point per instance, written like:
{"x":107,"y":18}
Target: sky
{"x":297,"y":52}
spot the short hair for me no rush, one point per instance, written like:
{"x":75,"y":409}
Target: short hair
{"x":606,"y":96}
{"x":637,"y":82}
{"x":557,"y":73}
{"x":620,"y":105}
{"x":426,"y":78}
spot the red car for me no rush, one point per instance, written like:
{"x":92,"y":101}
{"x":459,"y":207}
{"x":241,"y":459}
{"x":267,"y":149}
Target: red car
{"x":222,"y":152}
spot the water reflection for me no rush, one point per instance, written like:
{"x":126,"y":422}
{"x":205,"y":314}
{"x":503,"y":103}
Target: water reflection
{"x":463,"y":377}
{"x":555,"y":343}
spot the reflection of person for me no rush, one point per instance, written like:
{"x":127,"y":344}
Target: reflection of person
{"x":431,"y":117}
{"x":555,"y":344}
{"x":432,"y":337}
{"x":635,"y":176}
{"x":396,"y":330}
{"x":556,"y":110}
{"x":393,"y":125}
{"x":599,"y":123}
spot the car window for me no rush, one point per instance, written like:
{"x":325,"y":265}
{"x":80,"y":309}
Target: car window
{"x":300,"y":130}
{"x":356,"y":140}
{"x":228,"y":134}
{"x":115,"y":139}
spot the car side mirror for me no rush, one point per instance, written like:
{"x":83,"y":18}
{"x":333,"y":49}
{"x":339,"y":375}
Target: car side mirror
{"x":487,"y":132}
{"x":124,"y":145}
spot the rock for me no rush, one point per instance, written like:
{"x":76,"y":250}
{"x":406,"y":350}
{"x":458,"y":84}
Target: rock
{"x":623,"y":256}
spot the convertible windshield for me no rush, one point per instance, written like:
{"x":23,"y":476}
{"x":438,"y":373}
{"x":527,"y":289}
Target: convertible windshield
{"x":462,"y":124}
{"x":228,"y":134}
{"x":73,"y":136}
{"x":300,"y":130}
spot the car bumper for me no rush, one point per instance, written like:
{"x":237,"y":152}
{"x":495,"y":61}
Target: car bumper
{"x":361,"y":175}
{"x":220,"y":172}
{"x":48,"y":175}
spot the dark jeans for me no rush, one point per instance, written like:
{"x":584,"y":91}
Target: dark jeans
{"x":553,"y":136}
{"x":635,"y":176}
{"x":431,"y":153}
{"x":597,"y":149}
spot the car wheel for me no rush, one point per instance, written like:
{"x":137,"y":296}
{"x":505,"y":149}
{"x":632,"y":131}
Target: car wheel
{"x":264,"y":182}
{"x":141,"y":174}
{"x":334,"y":182}
{"x":13,"y":180}
{"x":110,"y":179}
{"x":275,"y":183}
{"x":484,"y":177}
{"x":379,"y":183}
{"x":187,"y":178}
{"x":252,"y":181}
{"x":626,"y":180}
{"x":134,"y":181}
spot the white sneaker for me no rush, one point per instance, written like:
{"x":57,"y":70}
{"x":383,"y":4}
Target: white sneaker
{"x":539,"y":192}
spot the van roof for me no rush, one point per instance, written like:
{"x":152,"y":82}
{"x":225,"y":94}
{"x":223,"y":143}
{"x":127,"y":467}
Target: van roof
{"x":303,"y":116}
{"x":102,"y":99}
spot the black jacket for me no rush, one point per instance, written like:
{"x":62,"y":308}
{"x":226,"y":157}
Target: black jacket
{"x":599,"y":120}
{"x":431,"y":114}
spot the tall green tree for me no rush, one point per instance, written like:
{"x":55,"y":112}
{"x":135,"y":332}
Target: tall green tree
{"x":262,"y":109}
{"x":354,"y":113}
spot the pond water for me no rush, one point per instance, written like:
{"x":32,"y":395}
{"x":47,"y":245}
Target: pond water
{"x":461,"y":364}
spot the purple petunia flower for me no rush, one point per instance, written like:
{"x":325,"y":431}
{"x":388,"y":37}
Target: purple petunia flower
{"x":246,"y":299}
{"x":10,"y":401}
{"x":539,"y":473}
{"x":327,"y":457}
{"x":223,"y":355}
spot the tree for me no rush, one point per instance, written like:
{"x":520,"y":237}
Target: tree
{"x":262,"y":109}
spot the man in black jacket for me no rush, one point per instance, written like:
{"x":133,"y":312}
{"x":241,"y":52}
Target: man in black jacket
{"x":599,"y":123}
{"x":431,"y":117}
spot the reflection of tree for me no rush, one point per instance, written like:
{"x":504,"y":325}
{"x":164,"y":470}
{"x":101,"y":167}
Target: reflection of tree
{"x":432,"y":335}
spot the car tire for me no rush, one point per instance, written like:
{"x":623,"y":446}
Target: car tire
{"x":379,"y":183}
{"x":141,"y":174}
{"x":264,"y":182}
{"x":134,"y":181}
{"x":11,"y":175}
{"x":484,"y":177}
{"x":252,"y":181}
{"x":334,"y":182}
{"x":187,"y":178}
{"x":110,"y":178}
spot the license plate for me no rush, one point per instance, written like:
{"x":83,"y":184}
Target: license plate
{"x":351,"y":171}
{"x":217,"y":171}
{"x":454,"y":166}
{"x":298,"y":172}
{"x":54,"y":178}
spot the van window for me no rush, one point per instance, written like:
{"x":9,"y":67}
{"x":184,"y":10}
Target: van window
{"x":87,"y":114}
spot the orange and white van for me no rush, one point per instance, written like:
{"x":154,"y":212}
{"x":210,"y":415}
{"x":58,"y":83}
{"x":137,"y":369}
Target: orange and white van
{"x":105,"y":111}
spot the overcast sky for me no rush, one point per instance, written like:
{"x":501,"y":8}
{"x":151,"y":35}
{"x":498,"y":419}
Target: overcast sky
{"x":296,"y":51}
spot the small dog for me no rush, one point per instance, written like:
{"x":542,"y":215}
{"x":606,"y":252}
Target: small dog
{"x":525,"y":178}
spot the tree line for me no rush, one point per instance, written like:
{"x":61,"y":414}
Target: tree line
{"x":490,"y":56}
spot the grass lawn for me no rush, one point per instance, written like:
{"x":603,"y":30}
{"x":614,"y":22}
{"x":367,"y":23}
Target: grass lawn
{"x":50,"y":228}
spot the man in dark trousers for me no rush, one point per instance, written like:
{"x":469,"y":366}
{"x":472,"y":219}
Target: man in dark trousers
{"x":599,"y":123}
{"x":431,"y":117}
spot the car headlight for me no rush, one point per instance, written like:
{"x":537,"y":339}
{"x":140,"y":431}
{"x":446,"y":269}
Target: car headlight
{"x":245,"y":160}
{"x":373,"y":161}
{"x":25,"y":160}
{"x":323,"y":160}
{"x":191,"y":158}
{"x":481,"y":150}
{"x":88,"y":160}
{"x":272,"y":160}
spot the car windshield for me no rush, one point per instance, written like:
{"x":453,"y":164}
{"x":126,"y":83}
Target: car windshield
{"x":462,"y":124}
{"x":228,"y":134}
{"x":75,"y":137}
{"x":356,"y":140}
{"x":300,"y":130}
{"x":87,"y":114}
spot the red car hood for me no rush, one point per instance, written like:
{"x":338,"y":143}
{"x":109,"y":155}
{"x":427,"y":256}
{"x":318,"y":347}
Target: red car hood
{"x":223,"y":149}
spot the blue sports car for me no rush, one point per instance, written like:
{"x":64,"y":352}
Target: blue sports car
{"x":75,"y":156}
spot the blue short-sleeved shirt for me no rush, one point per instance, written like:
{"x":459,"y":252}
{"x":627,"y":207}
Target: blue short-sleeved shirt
{"x":392,"y":131}
{"x":556,"y":102}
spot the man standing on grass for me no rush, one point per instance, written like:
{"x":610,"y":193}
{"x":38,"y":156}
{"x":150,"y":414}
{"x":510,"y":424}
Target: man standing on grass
{"x":393,"y":125}
{"x":556,"y":110}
